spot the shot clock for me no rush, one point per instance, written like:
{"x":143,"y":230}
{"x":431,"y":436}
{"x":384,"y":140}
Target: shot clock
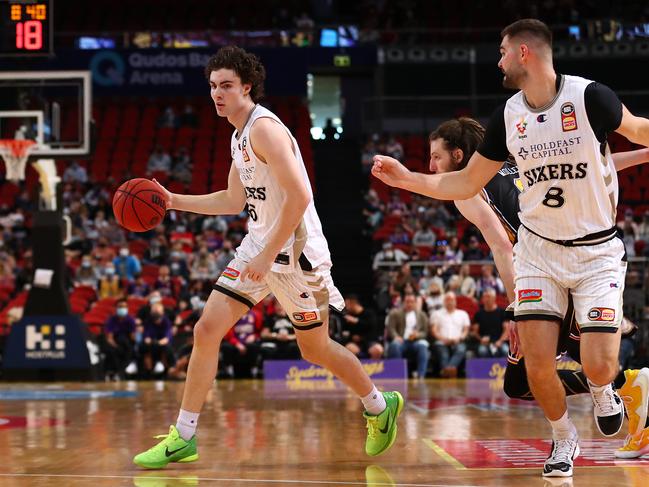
{"x":26,"y":27}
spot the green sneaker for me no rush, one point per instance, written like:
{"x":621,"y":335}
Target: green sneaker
{"x":382,"y":429}
{"x":171,"y":449}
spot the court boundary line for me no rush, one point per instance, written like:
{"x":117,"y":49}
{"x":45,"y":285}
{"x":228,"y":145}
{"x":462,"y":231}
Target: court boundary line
{"x":215,"y":479}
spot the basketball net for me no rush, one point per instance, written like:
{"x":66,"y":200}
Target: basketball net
{"x":15,"y":153}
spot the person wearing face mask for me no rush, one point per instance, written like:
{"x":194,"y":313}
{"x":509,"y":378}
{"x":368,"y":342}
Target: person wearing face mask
{"x":87,"y":274}
{"x":119,"y":343}
{"x":156,"y":351}
{"x":127,"y":266}
{"x":389,"y":254}
{"x":178,"y":264}
{"x":110,"y":285}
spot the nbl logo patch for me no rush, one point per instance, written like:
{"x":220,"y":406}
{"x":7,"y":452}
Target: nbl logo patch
{"x":305,"y":316}
{"x":568,"y":117}
{"x":230,"y":273}
{"x":601,"y":314}
{"x":530,"y":296}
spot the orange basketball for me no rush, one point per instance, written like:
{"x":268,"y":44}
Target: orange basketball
{"x":139,"y":205}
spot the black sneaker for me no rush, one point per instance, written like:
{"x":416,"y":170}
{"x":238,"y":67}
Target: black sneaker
{"x":608,"y":410}
{"x":559,"y":463}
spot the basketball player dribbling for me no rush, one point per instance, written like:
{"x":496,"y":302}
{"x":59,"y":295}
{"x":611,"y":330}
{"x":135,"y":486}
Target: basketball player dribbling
{"x":284,"y":252}
{"x":555,"y":127}
{"x":495,"y":212}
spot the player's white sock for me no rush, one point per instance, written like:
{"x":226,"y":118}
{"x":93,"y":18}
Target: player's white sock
{"x":563,"y":428}
{"x":186,"y":424}
{"x":374,"y":402}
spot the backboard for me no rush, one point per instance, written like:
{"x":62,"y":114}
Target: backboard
{"x":54,"y":108}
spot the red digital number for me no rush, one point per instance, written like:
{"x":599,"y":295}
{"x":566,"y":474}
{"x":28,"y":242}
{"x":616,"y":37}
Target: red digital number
{"x":29,"y":35}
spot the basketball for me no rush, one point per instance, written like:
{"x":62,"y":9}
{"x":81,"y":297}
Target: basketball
{"x":139,"y":205}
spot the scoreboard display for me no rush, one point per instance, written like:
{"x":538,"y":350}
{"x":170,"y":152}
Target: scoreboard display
{"x":26,"y":27}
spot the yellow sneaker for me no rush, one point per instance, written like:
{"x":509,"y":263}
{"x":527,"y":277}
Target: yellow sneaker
{"x":634,"y":447}
{"x":635,"y":394}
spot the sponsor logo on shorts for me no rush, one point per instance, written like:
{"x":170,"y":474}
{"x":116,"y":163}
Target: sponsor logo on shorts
{"x":530,"y":296}
{"x":305,"y":316}
{"x":601,"y":314}
{"x":230,"y":273}
{"x":615,"y":285}
{"x":568,"y":118}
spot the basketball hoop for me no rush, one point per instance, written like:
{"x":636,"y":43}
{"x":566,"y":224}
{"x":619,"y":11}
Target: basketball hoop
{"x":15,"y":153}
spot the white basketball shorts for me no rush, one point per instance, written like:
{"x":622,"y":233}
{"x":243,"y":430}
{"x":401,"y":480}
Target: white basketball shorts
{"x":546,"y":272}
{"x":305,"y":295}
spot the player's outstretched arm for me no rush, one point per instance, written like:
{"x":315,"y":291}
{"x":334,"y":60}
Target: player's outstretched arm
{"x":456,"y":185}
{"x":230,"y":201}
{"x":623,"y":160}
{"x":478,"y":212}
{"x":636,"y":129}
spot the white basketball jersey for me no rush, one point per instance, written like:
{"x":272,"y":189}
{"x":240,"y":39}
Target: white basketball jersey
{"x":570,"y":183}
{"x":264,"y":197}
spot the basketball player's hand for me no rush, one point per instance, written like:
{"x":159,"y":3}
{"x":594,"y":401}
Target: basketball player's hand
{"x":514,"y":342}
{"x":257,"y":268}
{"x":168,"y":194}
{"x":389,"y":170}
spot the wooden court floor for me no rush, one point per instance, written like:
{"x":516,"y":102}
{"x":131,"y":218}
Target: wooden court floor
{"x":255,"y":433}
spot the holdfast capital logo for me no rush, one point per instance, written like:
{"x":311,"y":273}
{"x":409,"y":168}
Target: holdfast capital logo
{"x":45,"y":341}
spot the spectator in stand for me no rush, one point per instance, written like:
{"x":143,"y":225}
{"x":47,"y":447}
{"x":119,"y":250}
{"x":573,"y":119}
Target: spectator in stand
{"x":454,"y":252}
{"x":75,"y":173}
{"x":87,"y":274}
{"x":7,"y":266}
{"x":241,"y":346}
{"x":278,"y":341}
{"x":157,"y":251}
{"x":468,"y":285}
{"x":437,"y":214}
{"x":399,"y":236}
{"x":126,"y":265}
{"x":395,"y":206}
{"x":203,"y":265}
{"x":102,"y":252}
{"x":389,"y":254}
{"x":490,"y":328}
{"x":434,"y":297}
{"x":182,"y":169}
{"x":155,"y":348}
{"x":164,"y":284}
{"x":159,"y":161}
{"x":488,"y":279}
{"x":360,"y":333}
{"x":224,"y":256}
{"x":473,"y":250}
{"x":139,"y":287}
{"x":403,"y":279}
{"x":119,"y":343}
{"x":643,"y":229}
{"x":304,"y":22}
{"x":393,"y":148}
{"x":424,"y":236}
{"x":449,"y":329}
{"x":440,"y":252}
{"x":110,"y":285}
{"x":407,"y":328}
{"x":629,"y":236}
{"x":167,"y":118}
{"x":188,"y":117}
{"x":178,"y":263}
{"x":145,"y":311}
{"x":373,"y":210}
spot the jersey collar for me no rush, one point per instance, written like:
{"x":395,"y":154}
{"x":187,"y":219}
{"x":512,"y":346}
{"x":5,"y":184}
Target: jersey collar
{"x":558,"y":85}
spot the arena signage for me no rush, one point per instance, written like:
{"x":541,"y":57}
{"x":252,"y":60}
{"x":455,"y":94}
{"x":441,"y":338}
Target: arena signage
{"x":47,"y":342}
